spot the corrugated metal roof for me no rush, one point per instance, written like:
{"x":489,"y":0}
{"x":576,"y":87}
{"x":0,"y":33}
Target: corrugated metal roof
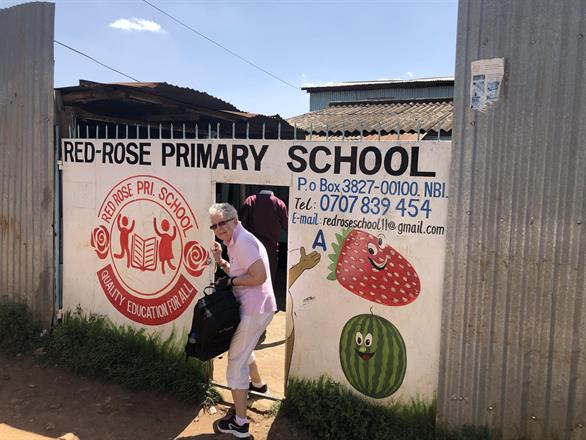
{"x":366,"y":137}
{"x":153,"y":102}
{"x":383,"y":84}
{"x":183,"y":95}
{"x":388,"y":117}
{"x":513,"y":352}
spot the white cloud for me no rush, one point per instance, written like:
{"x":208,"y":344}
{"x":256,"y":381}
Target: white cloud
{"x":137,"y":24}
{"x":410,"y":74}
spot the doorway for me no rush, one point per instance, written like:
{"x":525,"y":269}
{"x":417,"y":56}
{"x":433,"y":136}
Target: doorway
{"x":270,"y":353}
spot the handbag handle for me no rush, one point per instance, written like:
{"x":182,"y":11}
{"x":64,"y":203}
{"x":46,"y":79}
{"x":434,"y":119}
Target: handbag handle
{"x":205,"y":289}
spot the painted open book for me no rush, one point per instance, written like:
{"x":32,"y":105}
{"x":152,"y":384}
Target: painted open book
{"x":144,"y":253}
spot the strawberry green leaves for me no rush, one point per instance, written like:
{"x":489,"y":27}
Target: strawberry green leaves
{"x":337,"y":246}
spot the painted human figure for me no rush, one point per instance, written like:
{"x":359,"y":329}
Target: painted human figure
{"x":166,"y":243}
{"x":306,"y":262}
{"x":125,"y":230}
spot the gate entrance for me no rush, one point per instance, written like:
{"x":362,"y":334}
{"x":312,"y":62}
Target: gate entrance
{"x":270,"y":351}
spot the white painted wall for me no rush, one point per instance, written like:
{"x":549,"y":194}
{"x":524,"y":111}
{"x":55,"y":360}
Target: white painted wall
{"x":319,"y":308}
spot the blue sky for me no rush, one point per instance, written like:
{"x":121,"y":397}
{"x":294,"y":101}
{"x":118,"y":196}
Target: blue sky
{"x":302,"y":42}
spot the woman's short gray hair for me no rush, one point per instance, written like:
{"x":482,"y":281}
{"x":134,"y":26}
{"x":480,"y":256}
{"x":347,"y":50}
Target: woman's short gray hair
{"x":224,"y":209}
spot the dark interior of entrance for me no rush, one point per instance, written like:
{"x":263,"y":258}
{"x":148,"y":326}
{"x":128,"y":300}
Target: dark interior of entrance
{"x":235,"y":194}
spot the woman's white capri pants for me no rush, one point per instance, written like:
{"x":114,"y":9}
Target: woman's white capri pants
{"x":240,"y":354}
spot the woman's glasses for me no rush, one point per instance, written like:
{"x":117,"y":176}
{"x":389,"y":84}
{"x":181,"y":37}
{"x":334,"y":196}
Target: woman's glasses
{"x":220,"y":224}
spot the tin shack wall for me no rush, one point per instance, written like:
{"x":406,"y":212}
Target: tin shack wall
{"x":514,"y":324}
{"x":321,"y":100}
{"x":27,"y":156}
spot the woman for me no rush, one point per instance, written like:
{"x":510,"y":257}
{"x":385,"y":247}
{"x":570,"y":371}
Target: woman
{"x":249,"y":274}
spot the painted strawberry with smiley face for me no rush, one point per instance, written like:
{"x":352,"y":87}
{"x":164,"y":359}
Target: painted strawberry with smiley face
{"x":373,"y":270}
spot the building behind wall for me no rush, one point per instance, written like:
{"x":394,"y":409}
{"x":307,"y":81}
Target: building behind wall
{"x":157,"y":110}
{"x":415,"y":109}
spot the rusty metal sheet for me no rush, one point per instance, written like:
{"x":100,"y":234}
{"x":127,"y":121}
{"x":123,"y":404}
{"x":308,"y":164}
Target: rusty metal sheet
{"x":514,"y":323}
{"x":27,"y":156}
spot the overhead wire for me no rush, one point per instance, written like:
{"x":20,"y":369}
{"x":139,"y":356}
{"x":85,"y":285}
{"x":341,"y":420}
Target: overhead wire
{"x":231,"y":52}
{"x":96,"y":61}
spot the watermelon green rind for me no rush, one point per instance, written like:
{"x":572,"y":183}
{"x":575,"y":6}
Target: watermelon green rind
{"x":360,"y":372}
{"x":373,"y":384}
{"x":386,"y":368}
{"x":354,"y":373}
{"x":376,"y":328}
{"x":344,"y":349}
{"x":383,"y":374}
{"x":401,"y":363}
{"x":337,"y":246}
{"x":395,"y":366}
{"x":347,"y":352}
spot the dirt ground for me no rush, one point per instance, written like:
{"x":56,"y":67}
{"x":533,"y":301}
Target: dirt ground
{"x":47,"y":400}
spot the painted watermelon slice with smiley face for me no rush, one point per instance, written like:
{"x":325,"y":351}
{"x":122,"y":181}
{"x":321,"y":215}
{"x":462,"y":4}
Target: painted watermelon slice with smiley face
{"x":368,"y":267}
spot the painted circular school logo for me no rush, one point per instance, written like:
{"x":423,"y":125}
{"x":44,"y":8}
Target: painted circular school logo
{"x":145,"y":239}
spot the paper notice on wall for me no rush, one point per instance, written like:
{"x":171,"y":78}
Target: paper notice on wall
{"x":485,"y":85}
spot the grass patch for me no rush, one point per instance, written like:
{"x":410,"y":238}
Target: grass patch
{"x":19,"y":333}
{"x":93,"y":346}
{"x":328,"y":410}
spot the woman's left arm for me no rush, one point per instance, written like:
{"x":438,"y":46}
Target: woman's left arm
{"x":254,"y":276}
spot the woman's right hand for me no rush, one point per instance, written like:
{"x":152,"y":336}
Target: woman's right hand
{"x":216,"y":250}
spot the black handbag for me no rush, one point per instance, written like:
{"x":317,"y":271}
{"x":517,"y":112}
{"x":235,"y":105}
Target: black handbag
{"x":215,"y":319}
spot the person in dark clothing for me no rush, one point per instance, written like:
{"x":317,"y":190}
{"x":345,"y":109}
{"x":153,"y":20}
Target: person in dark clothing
{"x":264,"y":214}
